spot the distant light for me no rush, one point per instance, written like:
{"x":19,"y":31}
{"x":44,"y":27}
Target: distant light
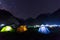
{"x":42,"y":25}
{"x":50,"y":26}
{"x":22,"y":28}
{"x":46,"y":25}
{"x":30,"y":26}
{"x":2,"y":25}
{"x":6,"y":29}
{"x":35,"y":26}
{"x":44,"y":30}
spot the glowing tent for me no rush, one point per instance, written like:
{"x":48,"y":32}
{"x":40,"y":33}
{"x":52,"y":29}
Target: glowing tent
{"x":6,"y":29}
{"x":22,"y":28}
{"x":44,"y":30}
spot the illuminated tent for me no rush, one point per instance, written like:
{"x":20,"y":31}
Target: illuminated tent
{"x":44,"y":30}
{"x":22,"y":28}
{"x":7,"y":29}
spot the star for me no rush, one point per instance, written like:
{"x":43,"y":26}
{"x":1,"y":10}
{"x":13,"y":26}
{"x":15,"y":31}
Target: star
{"x":0,"y":3}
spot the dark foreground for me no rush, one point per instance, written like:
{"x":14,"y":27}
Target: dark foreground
{"x":29,"y":36}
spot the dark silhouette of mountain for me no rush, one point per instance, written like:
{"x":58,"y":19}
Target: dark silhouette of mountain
{"x":4,"y":14}
{"x":29,"y":21}
{"x":55,"y":17}
{"x":49,"y":18}
{"x":42,"y":17}
{"x":21,"y":21}
{"x":56,"y":14}
{"x":7,"y":18}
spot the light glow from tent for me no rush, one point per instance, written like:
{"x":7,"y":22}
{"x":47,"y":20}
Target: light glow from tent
{"x":6,"y":29}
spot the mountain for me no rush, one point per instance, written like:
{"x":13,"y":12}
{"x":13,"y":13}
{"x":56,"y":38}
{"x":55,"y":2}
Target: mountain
{"x":42,"y":17}
{"x":53,"y":18}
{"x":30,"y":21}
{"x":55,"y":14}
{"x":7,"y":18}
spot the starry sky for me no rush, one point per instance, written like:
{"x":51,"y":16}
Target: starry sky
{"x":29,"y":8}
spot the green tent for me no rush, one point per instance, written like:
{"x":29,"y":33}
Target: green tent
{"x":7,"y":29}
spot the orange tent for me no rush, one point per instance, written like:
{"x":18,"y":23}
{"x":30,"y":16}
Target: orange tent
{"x":22,"y":28}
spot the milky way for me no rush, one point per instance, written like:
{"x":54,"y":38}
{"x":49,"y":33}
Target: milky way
{"x":29,"y":8}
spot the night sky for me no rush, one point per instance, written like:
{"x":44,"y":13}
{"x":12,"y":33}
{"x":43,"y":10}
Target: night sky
{"x":29,"y":8}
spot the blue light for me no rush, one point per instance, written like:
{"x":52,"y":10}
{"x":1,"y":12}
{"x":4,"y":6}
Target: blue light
{"x":44,"y":30}
{"x":2,"y":25}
